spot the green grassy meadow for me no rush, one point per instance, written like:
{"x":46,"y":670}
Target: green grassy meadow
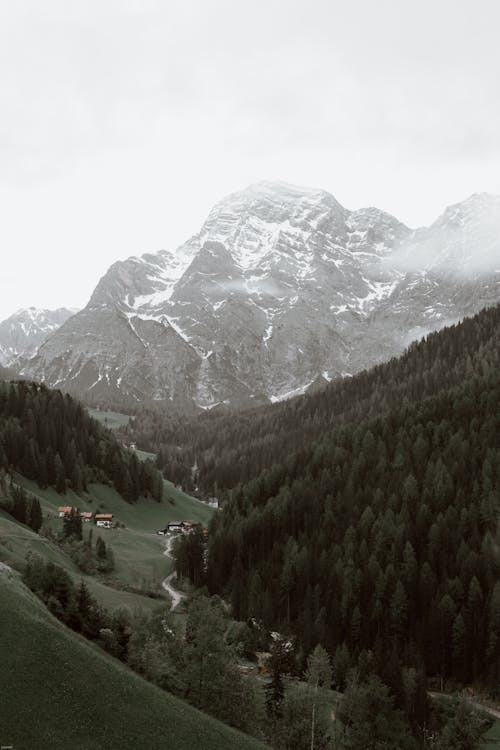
{"x":146,"y":515}
{"x":138,"y":551}
{"x":111,"y":419}
{"x":144,"y":455}
{"x":60,"y":691}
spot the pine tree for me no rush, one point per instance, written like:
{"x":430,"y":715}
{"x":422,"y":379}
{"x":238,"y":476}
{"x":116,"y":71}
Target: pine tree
{"x":60,"y":475}
{"x":72,"y":525}
{"x":318,"y":674}
{"x":19,"y":504}
{"x":278,"y":664}
{"x":83,"y":600}
{"x":100,"y":548}
{"x":35,"y":515}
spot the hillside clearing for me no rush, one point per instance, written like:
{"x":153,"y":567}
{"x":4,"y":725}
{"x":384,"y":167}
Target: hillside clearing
{"x":111,"y":419}
{"x":140,"y":565}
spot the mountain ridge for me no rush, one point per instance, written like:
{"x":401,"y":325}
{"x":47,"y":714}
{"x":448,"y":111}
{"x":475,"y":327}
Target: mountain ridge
{"x":22,"y":332}
{"x":281,"y":286}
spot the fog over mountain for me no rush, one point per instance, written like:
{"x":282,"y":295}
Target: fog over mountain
{"x":464,"y":241}
{"x":281,"y":290}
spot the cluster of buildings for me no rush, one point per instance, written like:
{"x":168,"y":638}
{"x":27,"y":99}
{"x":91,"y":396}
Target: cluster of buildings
{"x":180,"y":527}
{"x":105,"y":520}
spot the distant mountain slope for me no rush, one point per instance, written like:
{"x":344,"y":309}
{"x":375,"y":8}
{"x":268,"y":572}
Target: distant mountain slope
{"x":228,"y":449}
{"x":22,"y":333}
{"x":233,"y":449}
{"x":281,"y":289}
{"x":60,"y":691}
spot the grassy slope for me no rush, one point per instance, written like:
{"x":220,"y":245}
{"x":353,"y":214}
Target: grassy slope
{"x":60,"y":691}
{"x":17,"y":540}
{"x":144,"y":455}
{"x":137,"y":548}
{"x":145,"y":515}
{"x":111,"y":419}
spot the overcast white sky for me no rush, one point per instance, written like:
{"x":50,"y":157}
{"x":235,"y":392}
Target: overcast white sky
{"x":123,"y":121}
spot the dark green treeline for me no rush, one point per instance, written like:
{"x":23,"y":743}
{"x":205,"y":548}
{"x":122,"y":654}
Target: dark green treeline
{"x":50,"y":438}
{"x":377,"y":530}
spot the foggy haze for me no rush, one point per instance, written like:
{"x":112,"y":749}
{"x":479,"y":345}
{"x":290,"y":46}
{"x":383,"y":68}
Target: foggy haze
{"x":464,"y":242}
{"x":124,"y":121}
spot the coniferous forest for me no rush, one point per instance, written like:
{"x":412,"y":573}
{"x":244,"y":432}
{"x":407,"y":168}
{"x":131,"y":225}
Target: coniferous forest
{"x":365,"y":517}
{"x":231,"y":449}
{"x":359,"y":524}
{"x":50,"y":438}
{"x":377,"y":534}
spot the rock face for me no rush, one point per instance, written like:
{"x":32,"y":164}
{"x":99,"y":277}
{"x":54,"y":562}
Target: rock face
{"x":282,"y":289}
{"x":22,"y":333}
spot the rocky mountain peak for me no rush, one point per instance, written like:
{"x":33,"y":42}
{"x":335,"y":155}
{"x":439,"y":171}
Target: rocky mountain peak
{"x":463,"y":242}
{"x":268,"y":193}
{"x":22,"y":333}
{"x":281,"y":290}
{"x":269,"y":216}
{"x":477,"y":208}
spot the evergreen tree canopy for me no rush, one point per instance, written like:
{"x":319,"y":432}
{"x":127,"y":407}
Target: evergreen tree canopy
{"x":50,"y":438}
{"x":368,"y":513}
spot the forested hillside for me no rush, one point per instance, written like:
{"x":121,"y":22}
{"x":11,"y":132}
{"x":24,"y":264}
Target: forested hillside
{"x":365,"y":518}
{"x":50,"y":437}
{"x":228,"y":449}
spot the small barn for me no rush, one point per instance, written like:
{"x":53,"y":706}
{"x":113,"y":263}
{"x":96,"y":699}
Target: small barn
{"x":175,"y":527}
{"x":104,"y":520}
{"x":66,"y":510}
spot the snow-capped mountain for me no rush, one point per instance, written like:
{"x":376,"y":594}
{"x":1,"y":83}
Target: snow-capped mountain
{"x":22,"y":333}
{"x":282,"y":289}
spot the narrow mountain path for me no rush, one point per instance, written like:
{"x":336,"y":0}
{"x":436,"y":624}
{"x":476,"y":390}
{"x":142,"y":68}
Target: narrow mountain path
{"x":175,"y":594}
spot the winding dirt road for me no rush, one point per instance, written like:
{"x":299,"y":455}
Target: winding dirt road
{"x":175,"y":595}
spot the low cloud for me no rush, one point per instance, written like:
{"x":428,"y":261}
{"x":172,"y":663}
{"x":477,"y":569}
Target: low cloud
{"x":464,"y":241}
{"x":263,"y":286}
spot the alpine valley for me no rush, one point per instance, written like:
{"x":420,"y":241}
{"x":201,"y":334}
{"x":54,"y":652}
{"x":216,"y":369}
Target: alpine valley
{"x":282,"y":290}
